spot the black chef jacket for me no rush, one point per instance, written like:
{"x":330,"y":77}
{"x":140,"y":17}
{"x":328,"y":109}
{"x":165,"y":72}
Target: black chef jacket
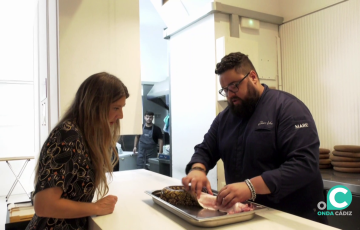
{"x":279,"y":142}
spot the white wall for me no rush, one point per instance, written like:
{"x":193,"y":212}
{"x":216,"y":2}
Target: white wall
{"x":263,"y":6}
{"x":154,"y":55}
{"x":153,"y":47}
{"x":320,"y":60}
{"x":98,"y":36}
{"x":192,"y":6}
{"x":193,"y":94}
{"x":288,"y":9}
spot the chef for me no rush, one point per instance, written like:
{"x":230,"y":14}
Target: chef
{"x":148,"y":141}
{"x":268,"y":142}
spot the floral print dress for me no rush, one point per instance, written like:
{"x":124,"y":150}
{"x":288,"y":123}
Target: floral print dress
{"x":65,"y":162}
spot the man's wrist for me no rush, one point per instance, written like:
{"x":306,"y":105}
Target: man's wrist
{"x":198,"y":169}
{"x":251,"y":188}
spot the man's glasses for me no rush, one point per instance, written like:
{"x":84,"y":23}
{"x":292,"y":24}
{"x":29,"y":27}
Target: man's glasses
{"x":233,"y":87}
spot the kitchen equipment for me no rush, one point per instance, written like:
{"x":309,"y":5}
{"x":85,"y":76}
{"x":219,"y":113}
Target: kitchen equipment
{"x":164,"y":156}
{"x":127,"y":161}
{"x":204,"y":217}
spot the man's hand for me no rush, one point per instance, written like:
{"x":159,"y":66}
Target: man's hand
{"x":134,"y":150}
{"x":106,"y":205}
{"x":233,"y":193}
{"x":198,"y":180}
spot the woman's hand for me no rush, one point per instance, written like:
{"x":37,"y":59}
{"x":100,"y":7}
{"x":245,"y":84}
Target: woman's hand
{"x":106,"y":205}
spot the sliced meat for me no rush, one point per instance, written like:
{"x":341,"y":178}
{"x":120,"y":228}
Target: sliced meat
{"x":209,"y":202}
{"x":237,"y":208}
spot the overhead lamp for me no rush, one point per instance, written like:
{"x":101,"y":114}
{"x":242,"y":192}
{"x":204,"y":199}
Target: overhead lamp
{"x":250,"y":23}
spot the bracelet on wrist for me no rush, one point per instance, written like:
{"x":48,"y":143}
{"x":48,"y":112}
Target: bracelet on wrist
{"x":252,"y":189}
{"x":198,"y":168}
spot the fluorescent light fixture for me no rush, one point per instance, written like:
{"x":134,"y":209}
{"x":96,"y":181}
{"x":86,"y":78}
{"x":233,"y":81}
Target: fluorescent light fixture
{"x":250,"y":23}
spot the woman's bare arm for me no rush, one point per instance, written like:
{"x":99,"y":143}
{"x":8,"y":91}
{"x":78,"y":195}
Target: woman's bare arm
{"x":48,"y":203}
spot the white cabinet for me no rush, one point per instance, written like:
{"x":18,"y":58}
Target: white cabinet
{"x":226,"y":45}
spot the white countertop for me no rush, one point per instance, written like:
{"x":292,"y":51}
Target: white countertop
{"x":136,"y":210}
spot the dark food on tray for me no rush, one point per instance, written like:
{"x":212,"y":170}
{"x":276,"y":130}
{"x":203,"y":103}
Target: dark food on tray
{"x":177,"y":195}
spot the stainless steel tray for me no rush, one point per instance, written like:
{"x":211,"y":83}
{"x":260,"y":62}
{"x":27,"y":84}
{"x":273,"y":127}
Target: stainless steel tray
{"x":203,"y":217}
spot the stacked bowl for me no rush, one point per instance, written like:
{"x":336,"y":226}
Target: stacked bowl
{"x":346,"y":158}
{"x":324,"y":158}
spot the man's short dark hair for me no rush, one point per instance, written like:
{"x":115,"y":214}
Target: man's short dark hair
{"x":149,"y":113}
{"x":239,"y":61}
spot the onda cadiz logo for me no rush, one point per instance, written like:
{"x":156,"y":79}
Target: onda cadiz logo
{"x":338,"y":198}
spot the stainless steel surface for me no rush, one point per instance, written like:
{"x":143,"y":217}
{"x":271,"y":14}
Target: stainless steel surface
{"x":332,"y":178}
{"x":204,"y":217}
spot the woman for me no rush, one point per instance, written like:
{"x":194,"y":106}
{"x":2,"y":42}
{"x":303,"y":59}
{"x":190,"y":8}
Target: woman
{"x":76,"y":156}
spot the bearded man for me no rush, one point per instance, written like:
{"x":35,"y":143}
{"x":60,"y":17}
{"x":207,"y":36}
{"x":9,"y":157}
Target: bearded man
{"x":268,"y":142}
{"x":150,"y":142}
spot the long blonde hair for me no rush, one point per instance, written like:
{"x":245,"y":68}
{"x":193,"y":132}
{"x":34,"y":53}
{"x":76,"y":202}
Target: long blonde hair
{"x":90,"y":112}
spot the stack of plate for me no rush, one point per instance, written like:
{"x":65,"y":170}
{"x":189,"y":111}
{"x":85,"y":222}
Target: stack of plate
{"x":324,"y":158}
{"x":346,"y":158}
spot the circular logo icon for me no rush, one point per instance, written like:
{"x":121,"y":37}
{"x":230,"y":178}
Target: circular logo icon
{"x":321,"y":205}
{"x":338,"y":198}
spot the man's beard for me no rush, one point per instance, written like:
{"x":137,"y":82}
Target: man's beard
{"x":247,"y":106}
